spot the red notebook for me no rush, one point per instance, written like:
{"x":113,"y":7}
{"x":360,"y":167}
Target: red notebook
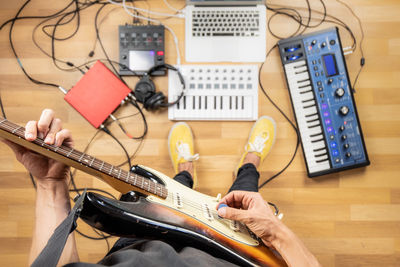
{"x":97,"y":94}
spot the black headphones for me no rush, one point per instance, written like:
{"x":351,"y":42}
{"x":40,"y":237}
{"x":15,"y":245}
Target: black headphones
{"x":145,"y":90}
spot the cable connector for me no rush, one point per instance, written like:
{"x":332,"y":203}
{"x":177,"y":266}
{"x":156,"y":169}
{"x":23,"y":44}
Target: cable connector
{"x":112,"y":117}
{"x":62,"y":90}
{"x":132,"y":96}
{"x":104,"y":128}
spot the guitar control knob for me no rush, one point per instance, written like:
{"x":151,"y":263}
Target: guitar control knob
{"x":348,"y":154}
{"x":330,"y":80}
{"x":342,"y":128}
{"x":344,"y":110}
{"x":339,"y":92}
{"x":346,"y":146}
{"x":344,"y":137}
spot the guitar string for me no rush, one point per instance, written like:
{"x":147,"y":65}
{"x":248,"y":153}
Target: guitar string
{"x":66,"y":150}
{"x":76,"y":155}
{"x":20,"y":132}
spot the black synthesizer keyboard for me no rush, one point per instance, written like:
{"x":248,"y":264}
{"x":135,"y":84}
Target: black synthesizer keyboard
{"x":323,"y":102}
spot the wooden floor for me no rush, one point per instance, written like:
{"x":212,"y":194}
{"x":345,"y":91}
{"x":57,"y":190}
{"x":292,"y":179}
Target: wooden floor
{"x":347,"y":219}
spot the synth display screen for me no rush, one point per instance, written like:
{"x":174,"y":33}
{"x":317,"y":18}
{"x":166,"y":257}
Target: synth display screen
{"x":330,"y":65}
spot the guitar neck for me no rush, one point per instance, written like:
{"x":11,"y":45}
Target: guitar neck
{"x":121,"y":180}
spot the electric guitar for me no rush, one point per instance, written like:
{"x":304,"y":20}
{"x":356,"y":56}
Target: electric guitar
{"x":160,"y":208}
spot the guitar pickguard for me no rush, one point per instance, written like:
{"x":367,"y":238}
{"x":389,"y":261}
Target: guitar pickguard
{"x":202,"y":208}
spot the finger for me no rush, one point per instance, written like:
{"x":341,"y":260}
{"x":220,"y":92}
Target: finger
{"x":234,"y":198}
{"x":31,"y":130}
{"x":64,"y":136}
{"x":55,"y":127}
{"x":232,"y":213}
{"x":44,"y":122}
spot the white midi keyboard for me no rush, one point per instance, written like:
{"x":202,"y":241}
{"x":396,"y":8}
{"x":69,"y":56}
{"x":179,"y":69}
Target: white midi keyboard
{"x":214,"y":92}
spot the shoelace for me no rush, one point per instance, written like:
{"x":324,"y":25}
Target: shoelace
{"x":259,"y":143}
{"x":183,"y":150}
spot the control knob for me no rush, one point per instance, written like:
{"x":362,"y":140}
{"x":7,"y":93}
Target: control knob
{"x":344,"y":110}
{"x":330,"y":80}
{"x":339,"y":92}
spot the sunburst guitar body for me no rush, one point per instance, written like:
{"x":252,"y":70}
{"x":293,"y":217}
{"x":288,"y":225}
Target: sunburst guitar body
{"x":159,"y":208}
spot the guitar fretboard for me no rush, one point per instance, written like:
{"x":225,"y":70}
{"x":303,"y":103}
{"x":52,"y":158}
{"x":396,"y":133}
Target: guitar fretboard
{"x":90,"y":162}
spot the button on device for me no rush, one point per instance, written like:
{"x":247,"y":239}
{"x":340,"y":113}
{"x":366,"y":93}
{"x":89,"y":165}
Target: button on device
{"x":346,"y":146}
{"x":344,"y":110}
{"x":314,"y":62}
{"x":315,"y":67}
{"x":348,"y":154}
{"x":333,"y":145}
{"x":313,"y":42}
{"x":323,"y":44}
{"x":344,"y":137}
{"x":319,"y":83}
{"x":330,"y":80}
{"x":332,"y":42}
{"x":342,"y":128}
{"x":335,"y":153}
{"x":320,"y":89}
{"x":339,"y":92}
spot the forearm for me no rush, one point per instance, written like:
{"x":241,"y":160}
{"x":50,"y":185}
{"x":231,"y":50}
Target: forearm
{"x":52,"y":207}
{"x":292,"y":249}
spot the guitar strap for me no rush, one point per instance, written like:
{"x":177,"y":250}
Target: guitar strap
{"x":51,"y":253}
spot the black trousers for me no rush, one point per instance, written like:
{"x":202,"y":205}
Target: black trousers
{"x":246,"y":180}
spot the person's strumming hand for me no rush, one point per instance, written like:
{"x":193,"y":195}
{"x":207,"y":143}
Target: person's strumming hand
{"x":44,"y":169}
{"x":252,"y":210}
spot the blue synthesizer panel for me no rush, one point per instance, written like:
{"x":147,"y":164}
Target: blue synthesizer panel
{"x":323,"y":102}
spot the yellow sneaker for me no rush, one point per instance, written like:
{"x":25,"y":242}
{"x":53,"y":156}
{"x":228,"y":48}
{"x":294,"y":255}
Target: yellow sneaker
{"x":261,"y":139}
{"x":181,"y":148}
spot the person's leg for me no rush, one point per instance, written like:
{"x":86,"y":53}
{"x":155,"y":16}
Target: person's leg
{"x":260,"y":142}
{"x":181,"y":151}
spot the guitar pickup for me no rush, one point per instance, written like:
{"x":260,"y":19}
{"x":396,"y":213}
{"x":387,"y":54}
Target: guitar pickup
{"x":207,"y":212}
{"x":178,"y":200}
{"x":234,"y":226}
